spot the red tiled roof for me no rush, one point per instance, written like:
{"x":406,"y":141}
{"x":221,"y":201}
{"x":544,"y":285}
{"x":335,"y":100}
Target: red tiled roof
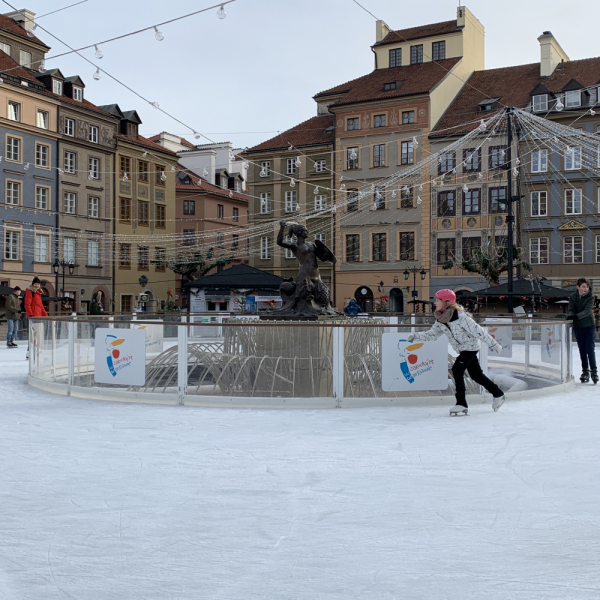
{"x":206,"y":187}
{"x":8,"y":64}
{"x":184,"y":142}
{"x":423,"y":31}
{"x":413,"y":79}
{"x":512,"y":85}
{"x":11,"y":25}
{"x":308,"y":133}
{"x":142,"y":141}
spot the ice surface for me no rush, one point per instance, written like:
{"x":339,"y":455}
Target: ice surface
{"x":103,"y":501}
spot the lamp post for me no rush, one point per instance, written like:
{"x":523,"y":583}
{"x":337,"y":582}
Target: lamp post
{"x":414,"y":270}
{"x":64,"y":265}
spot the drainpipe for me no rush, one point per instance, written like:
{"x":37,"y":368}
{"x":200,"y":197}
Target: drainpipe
{"x":114,"y":232}
{"x":375,"y":53}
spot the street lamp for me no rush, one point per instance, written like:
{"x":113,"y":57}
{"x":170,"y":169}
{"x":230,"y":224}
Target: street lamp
{"x":64,"y":265}
{"x":414,"y":270}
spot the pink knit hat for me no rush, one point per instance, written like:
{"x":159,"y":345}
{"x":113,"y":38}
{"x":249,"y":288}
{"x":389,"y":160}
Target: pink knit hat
{"x":446,"y":296}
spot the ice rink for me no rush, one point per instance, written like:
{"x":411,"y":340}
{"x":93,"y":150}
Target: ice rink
{"x":103,"y":501}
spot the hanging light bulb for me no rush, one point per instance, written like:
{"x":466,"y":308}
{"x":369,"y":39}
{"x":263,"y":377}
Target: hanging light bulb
{"x":26,"y":167}
{"x":30,"y":31}
{"x":421,"y":188}
{"x":163,"y":176}
{"x":592,"y":112}
{"x":231,"y":193}
{"x":454,"y":171}
{"x":60,"y":171}
{"x":482,"y":125}
{"x":353,"y":154}
{"x":155,"y":104}
{"x":342,"y":178}
{"x":97,"y":74}
{"x":1,"y":81}
{"x":98,"y":54}
{"x":517,"y":161}
{"x":559,"y":106}
{"x":292,"y":183}
{"x":199,"y":182}
{"x":374,"y":206}
{"x":221,"y":12}
{"x":246,"y":165}
{"x":406,"y":189}
{"x":419,"y":200}
{"x":145,"y":154}
{"x":480,"y":176}
{"x":434,"y":182}
{"x":316,"y":190}
{"x":393,"y":193}
{"x":159,"y":35}
{"x":205,"y":172}
{"x":465,"y":188}
{"x":42,"y":67}
{"x":343,"y":187}
{"x":196,"y":135}
{"x":90,"y":175}
{"x":125,"y":178}
{"x":291,"y":148}
{"x":516,"y":172}
{"x":297,"y":207}
{"x":298,"y":162}
{"x":415,"y":142}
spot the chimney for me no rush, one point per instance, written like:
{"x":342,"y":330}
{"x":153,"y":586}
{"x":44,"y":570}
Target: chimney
{"x":461,"y":16}
{"x":551,"y":54}
{"x":24,"y":17}
{"x":381,"y":30}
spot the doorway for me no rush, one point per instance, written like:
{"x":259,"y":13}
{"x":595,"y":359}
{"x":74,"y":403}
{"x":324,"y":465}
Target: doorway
{"x":364,"y":298}
{"x":396,"y":300}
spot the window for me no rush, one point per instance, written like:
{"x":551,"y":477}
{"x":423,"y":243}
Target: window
{"x":11,"y":244}
{"x":573,"y":158}
{"x":161,"y":259}
{"x":539,"y":204}
{"x":159,"y":175}
{"x":389,"y":87}
{"x":143,"y":171}
{"x":13,"y":149}
{"x":408,"y":154}
{"x":93,"y":134}
{"x":5,"y":48}
{"x":69,"y":249}
{"x":189,"y":237}
{"x":396,"y":58}
{"x":265,"y":251}
{"x":94,"y":207}
{"x":265,"y":168}
{"x":236,"y":214}
{"x":446,"y":249}
{"x":235,"y":241}
{"x":93,"y":259}
{"x":220,"y":211}
{"x":573,"y":99}
{"x":469,"y":246}
{"x":42,"y":194}
{"x":320,"y":166}
{"x":143,"y":213}
{"x":132,"y":130}
{"x":125,"y":166}
{"x":539,"y":161}
{"x":237,"y":185}
{"x":220,"y":240}
{"x":446,"y":162}
{"x":160,"y":215}
{"x":41,"y":248}
{"x":438,"y":50}
{"x":70,"y":202}
{"x":43,"y":119}
{"x":472,"y":202}
{"x":538,"y":251}
{"x":497,"y":157}
{"x":14,"y":111}
{"x":472,"y":160}
{"x":353,"y":247}
{"x":41,"y":156}
{"x":379,"y":198}
{"x":352,"y":124}
{"x":57,"y":87}
{"x":379,"y":155}
{"x":224,"y":182}
{"x":126,"y":306}
{"x":320,"y":237}
{"x":125,"y":256}
{"x":598,"y":248}
{"x":573,"y":249}
{"x":352,"y":200}
{"x":189,"y":207}
{"x":291,"y":204}
{"x":77,"y":93}
{"x":406,"y":196}
{"x":379,"y":121}
{"x":498,"y":199}
{"x":540,"y":103}
{"x":408,"y":116}
{"x":13,"y":193}
{"x":94,"y":168}
{"x":416,"y":54}
{"x":407,"y":245}
{"x":25,"y":59}
{"x":70,"y":164}
{"x":290,"y":166}
{"x":319,"y":202}
{"x":265,"y":203}
{"x":352,"y":158}
{"x":143,"y":258}
{"x":573,"y":202}
{"x":446,"y":204}
{"x":379,"y":247}
{"x":125,"y":210}
{"x":69,"y":127}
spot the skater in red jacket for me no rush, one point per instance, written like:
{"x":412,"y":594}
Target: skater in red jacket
{"x":33,"y":300}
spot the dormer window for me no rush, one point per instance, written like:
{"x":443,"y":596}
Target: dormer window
{"x":573,"y":99}
{"x":132,"y":130}
{"x":77,"y":93}
{"x":540,"y":103}
{"x":488,"y":104}
{"x":388,"y":87}
{"x":57,"y":87}
{"x":438,"y":50}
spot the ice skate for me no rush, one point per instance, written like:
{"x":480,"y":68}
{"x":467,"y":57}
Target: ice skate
{"x":459,"y":409}
{"x":27,"y":355}
{"x":595,"y":376}
{"x":498,"y":402}
{"x":585,"y":376}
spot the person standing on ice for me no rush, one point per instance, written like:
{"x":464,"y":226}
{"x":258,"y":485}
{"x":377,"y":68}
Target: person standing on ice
{"x":581,"y":312}
{"x":33,"y":303}
{"x":465,"y":337}
{"x":13,"y":314}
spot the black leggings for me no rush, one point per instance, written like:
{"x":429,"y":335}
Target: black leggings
{"x":467,"y":361}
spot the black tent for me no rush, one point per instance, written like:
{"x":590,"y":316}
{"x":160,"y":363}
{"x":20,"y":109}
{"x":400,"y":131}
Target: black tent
{"x":521,"y":287}
{"x":240,"y":277}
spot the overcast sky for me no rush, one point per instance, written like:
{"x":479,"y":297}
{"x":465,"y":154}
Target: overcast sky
{"x":245,"y":77}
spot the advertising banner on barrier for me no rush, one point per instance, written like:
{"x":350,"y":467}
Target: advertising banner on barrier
{"x":120,"y":356}
{"x":503,"y":335}
{"x":413,"y":366}
{"x":550,"y":344}
{"x":154,"y":336}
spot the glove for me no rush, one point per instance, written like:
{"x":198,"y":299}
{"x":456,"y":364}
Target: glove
{"x":497,"y":348}
{"x":572,"y":318}
{"x":411,"y":337}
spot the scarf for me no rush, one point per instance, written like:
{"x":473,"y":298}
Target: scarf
{"x":445,"y":316}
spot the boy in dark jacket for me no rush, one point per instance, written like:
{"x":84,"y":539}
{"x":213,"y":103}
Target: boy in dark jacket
{"x":581,"y":305}
{"x":13,"y":314}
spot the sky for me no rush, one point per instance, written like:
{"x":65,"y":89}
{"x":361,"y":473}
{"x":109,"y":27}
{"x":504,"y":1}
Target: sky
{"x":246,"y":77}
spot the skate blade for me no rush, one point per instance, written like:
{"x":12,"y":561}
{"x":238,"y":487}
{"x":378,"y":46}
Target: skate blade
{"x":462,"y":413}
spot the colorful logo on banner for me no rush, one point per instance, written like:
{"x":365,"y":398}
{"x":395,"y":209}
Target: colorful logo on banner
{"x":550,"y":344}
{"x":413,"y":366}
{"x":120,"y":356}
{"x":114,"y":360}
{"x":154,"y":336}
{"x":503,"y":335}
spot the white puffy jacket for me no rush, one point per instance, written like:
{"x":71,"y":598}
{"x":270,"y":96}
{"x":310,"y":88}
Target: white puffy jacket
{"x":463,"y":333}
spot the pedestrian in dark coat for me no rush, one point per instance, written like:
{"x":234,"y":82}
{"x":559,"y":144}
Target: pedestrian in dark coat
{"x":581,"y":312}
{"x":13,"y":314}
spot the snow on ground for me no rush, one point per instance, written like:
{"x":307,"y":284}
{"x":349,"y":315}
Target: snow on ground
{"x":103,"y":501}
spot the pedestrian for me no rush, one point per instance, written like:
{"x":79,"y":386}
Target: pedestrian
{"x":581,"y":312}
{"x":465,"y":337}
{"x":352,"y":309}
{"x":96,"y":307}
{"x":13,"y":314}
{"x":33,"y":303}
